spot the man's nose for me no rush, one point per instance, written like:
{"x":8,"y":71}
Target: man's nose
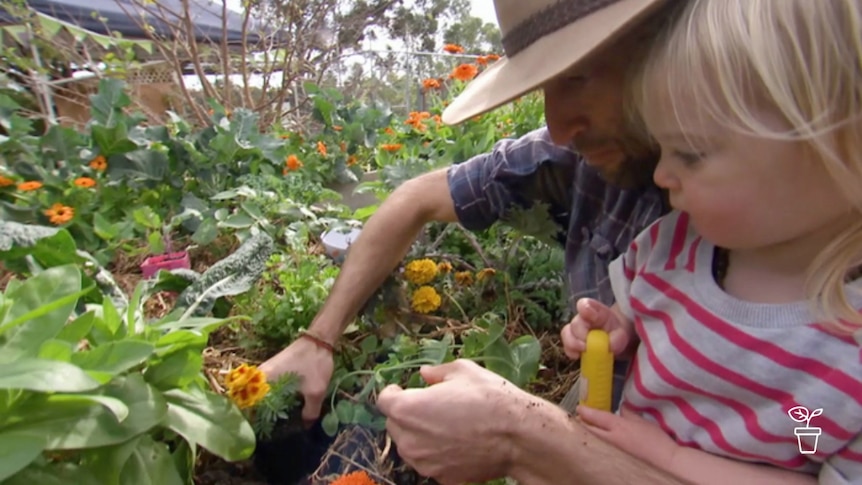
{"x":563,"y":133}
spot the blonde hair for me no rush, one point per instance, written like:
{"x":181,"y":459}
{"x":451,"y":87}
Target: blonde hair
{"x":800,"y":59}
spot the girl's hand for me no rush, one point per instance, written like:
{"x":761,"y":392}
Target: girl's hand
{"x":595,"y":314}
{"x":632,"y":434}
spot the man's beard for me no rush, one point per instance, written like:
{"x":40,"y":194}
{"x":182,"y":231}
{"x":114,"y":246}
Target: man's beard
{"x":633,"y":172}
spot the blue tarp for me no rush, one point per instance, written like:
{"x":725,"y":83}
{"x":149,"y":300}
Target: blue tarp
{"x":128,"y":16}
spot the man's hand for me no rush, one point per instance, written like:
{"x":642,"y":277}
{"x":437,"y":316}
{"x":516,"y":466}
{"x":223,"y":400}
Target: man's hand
{"x":314,"y":366}
{"x":454,"y":430}
{"x":595,"y":314}
{"x":632,"y":434}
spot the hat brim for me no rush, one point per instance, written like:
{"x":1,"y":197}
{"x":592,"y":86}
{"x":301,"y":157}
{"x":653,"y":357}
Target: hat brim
{"x":551,"y":55}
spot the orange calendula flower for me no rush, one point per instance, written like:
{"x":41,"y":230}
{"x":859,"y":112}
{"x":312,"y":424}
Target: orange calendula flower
{"x":59,"y":214}
{"x":29,"y":186}
{"x":492,"y":57}
{"x":337,"y":127}
{"x":321,"y":148}
{"x":292,"y":162}
{"x":351,"y":160}
{"x":6,"y":181}
{"x":482,"y":60}
{"x":85,"y":182}
{"x":360,"y":477}
{"x":430,"y":83}
{"x":453,"y":49}
{"x":464,"y":72}
{"x":99,"y":163}
{"x":391,"y":147}
{"x":389,"y":130}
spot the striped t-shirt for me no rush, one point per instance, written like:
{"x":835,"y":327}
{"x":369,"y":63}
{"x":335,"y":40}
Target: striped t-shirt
{"x":720,"y":374}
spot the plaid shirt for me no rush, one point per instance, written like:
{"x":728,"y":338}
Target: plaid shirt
{"x":596,"y":221}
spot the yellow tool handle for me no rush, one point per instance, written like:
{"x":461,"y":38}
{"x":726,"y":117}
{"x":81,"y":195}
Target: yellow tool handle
{"x":597,"y":371}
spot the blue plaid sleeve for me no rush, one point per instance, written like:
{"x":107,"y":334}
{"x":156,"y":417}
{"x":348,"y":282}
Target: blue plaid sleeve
{"x":515,"y":173}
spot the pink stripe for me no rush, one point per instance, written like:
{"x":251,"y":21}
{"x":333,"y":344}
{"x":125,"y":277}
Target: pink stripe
{"x":833,"y":376}
{"x":663,"y":425}
{"x":749,"y":417}
{"x":711,"y":427}
{"x":692,"y":255}
{"x":678,"y":243}
{"x":783,"y":398}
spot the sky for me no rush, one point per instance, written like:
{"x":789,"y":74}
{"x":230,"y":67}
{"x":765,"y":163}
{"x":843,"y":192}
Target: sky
{"x":484,"y":9}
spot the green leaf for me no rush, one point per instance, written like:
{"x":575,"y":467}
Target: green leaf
{"x":210,"y":421}
{"x":117,"y":408}
{"x":329,"y":423}
{"x":49,"y":246}
{"x":41,"y":306}
{"x":526,"y":356}
{"x":77,"y":330}
{"x":177,"y":369}
{"x":107,"y":103}
{"x":68,"y":424}
{"x":17,"y":450}
{"x":45,"y":376}
{"x":237,"y":221}
{"x":107,"y":462}
{"x":113,"y":358}
{"x":150,"y":464}
{"x":206,"y":232}
{"x":112,"y":140}
{"x":55,"y":349}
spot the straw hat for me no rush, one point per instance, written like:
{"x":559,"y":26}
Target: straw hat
{"x":541,"y":39}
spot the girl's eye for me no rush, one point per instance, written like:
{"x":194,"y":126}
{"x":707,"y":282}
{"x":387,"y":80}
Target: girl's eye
{"x":689,"y":158}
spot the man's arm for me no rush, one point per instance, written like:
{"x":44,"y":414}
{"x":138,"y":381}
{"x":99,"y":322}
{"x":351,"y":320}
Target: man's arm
{"x":383,"y":242}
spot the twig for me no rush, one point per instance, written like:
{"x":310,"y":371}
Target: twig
{"x":475,"y":243}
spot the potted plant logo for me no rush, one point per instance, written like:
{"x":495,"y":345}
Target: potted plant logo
{"x":801,"y":414}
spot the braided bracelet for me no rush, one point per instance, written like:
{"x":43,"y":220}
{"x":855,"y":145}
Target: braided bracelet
{"x":323,"y":344}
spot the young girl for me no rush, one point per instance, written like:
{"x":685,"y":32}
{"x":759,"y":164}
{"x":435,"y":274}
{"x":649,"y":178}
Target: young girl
{"x":743,"y":303}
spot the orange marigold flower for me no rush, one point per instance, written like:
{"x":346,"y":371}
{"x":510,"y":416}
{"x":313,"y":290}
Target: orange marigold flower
{"x":389,"y":130}
{"x":59,"y":214}
{"x":85,"y":182}
{"x":292,"y":162}
{"x":29,"y":185}
{"x":430,"y":83}
{"x":464,"y":278}
{"x":99,"y":163}
{"x":351,"y":160}
{"x":482,"y":60}
{"x":6,"y":181}
{"x":444,"y":267}
{"x":360,"y":477}
{"x":321,"y":148}
{"x":492,"y":57}
{"x":391,"y":147}
{"x":464,"y":72}
{"x":337,"y":127}
{"x":485,"y":274}
{"x":453,"y":49}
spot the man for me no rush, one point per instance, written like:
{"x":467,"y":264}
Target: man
{"x":594,"y":170}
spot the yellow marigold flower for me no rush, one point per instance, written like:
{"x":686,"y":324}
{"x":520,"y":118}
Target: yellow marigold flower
{"x":485,"y":274}
{"x":359,"y":477}
{"x":420,"y":271}
{"x":99,"y":163}
{"x":321,"y":148}
{"x":246,"y":385}
{"x":464,"y":72}
{"x":292,"y":162}
{"x":248,"y":396}
{"x":6,"y":181}
{"x":425,"y":300}
{"x":444,"y":267}
{"x":464,"y":278}
{"x":85,"y":182}
{"x":453,"y":49}
{"x":59,"y":213}
{"x":29,"y":186}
